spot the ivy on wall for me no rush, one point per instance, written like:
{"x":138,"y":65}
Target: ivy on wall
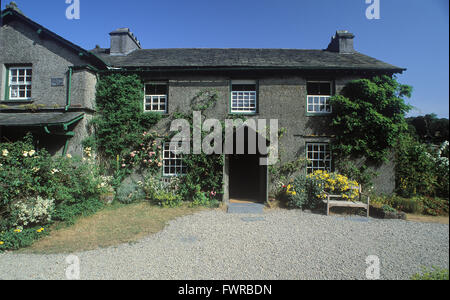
{"x":205,"y":172}
{"x":121,"y":119}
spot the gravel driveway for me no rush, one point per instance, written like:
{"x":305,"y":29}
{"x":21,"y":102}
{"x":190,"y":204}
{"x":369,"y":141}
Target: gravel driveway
{"x":277,"y":245}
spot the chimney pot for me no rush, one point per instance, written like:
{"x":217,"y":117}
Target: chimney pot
{"x":123,"y":42}
{"x":342,"y":42}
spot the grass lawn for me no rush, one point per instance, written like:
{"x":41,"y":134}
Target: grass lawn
{"x":427,"y":219}
{"x":114,"y":225}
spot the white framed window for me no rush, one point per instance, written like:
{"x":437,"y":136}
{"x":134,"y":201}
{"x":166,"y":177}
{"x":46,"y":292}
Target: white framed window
{"x":155,"y":97}
{"x":318,"y":156}
{"x":244,"y":96}
{"x":172,"y":161}
{"x":19,"y":83}
{"x":319,"y":93}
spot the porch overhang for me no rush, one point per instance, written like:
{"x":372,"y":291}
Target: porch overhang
{"x":44,"y":119}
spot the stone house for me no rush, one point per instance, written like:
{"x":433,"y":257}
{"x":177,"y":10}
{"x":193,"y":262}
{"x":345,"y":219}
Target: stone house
{"x":48,"y":88}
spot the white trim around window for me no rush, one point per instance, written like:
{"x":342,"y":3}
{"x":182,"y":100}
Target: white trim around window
{"x":155,"y":100}
{"x":19,"y":83}
{"x":244,"y":97}
{"x":319,"y":157}
{"x":172,"y":162}
{"x":319,"y":104}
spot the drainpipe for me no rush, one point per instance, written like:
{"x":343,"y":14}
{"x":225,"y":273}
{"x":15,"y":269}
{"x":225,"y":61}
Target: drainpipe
{"x":69,"y":92}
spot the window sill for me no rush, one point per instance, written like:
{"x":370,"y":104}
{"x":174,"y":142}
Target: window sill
{"x":243,"y":114}
{"x":318,"y":114}
{"x":25,"y":101}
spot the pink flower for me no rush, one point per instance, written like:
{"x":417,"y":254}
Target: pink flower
{"x":124,"y":165}
{"x":133,"y":154}
{"x":145,"y":161}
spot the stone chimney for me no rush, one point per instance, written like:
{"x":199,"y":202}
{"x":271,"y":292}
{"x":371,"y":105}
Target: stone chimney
{"x":342,"y":42}
{"x":123,"y":42}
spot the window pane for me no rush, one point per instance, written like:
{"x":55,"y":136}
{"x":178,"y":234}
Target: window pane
{"x":319,"y":88}
{"x":156,"y":89}
{"x":244,"y":87}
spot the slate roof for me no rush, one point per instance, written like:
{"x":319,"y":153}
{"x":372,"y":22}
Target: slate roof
{"x":246,"y":58}
{"x":37,"y":119}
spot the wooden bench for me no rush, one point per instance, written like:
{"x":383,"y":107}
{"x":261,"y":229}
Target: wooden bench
{"x":344,"y":203}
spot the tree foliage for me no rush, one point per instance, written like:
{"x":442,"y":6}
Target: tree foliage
{"x":368,"y":116}
{"x":429,"y":128}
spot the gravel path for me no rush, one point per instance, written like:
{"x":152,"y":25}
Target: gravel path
{"x":277,"y":245}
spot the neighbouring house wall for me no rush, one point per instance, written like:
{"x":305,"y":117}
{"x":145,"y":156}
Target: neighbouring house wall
{"x":83,"y":89}
{"x":20,"y":44}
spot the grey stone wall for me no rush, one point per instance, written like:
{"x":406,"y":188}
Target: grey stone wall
{"x":282,"y":98}
{"x":22,"y":45}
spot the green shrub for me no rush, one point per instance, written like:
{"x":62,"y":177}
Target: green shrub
{"x":205,"y":174}
{"x":408,"y":205}
{"x":129,"y":192}
{"x":205,"y":199}
{"x":303,"y":193}
{"x":434,"y":206}
{"x":167,"y":199}
{"x":14,"y":240}
{"x":36,"y":189}
{"x":388,"y":208}
{"x":432,"y":274}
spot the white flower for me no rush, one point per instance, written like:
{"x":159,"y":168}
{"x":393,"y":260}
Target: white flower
{"x":54,"y":171}
{"x":31,"y":153}
{"x":69,"y":156}
{"x":25,"y":153}
{"x":5,"y":153}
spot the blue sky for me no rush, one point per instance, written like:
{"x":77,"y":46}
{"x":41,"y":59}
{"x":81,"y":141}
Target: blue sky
{"x":410,"y":33}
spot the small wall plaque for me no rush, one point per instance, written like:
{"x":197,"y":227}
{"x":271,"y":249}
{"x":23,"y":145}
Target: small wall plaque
{"x":57,"y":82}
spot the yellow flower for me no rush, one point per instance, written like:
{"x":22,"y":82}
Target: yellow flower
{"x":40,"y":230}
{"x":1,"y":243}
{"x":18,"y":230}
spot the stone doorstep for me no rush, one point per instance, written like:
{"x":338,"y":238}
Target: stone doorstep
{"x":245,"y":208}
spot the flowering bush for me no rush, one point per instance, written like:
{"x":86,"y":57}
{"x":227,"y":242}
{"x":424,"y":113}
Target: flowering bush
{"x":335,"y":184}
{"x":309,"y":191}
{"x":36,"y":189}
{"x":207,"y":199}
{"x":301,"y":192}
{"x":162,"y":192}
{"x":421,"y":169}
{"x":33,"y":211}
{"x":147,"y":156}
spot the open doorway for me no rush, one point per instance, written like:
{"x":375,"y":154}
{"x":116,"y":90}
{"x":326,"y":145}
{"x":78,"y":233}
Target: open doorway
{"x":247,"y":178}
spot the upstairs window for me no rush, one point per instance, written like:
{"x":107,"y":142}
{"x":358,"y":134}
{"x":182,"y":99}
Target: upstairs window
{"x":319,"y":157}
{"x":19,"y":83}
{"x":244,"y":96}
{"x":319,"y":93}
{"x":172,"y":161}
{"x":155,"y":97}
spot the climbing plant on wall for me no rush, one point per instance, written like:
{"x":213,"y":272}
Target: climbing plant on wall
{"x":368,"y":117}
{"x":121,"y":120}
